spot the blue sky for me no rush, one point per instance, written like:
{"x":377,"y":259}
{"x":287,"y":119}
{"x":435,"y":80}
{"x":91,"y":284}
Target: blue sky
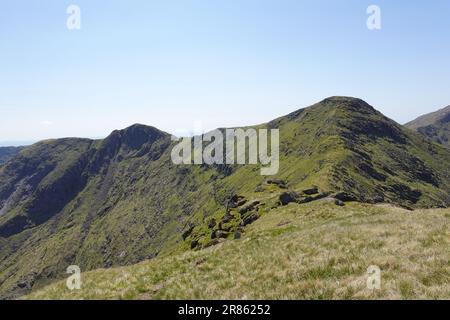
{"x":224,"y":63}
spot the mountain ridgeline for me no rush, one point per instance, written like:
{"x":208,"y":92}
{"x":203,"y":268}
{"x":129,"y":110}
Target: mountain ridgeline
{"x":435,"y":125}
{"x":121,"y":200}
{"x":7,"y":153}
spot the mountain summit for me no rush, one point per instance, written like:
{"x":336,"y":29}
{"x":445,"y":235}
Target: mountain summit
{"x":135,"y":136}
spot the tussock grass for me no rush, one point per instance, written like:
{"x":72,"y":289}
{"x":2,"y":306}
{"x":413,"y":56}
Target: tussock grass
{"x":313,"y":251}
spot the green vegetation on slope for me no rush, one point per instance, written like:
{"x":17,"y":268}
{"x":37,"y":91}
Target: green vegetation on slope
{"x":119,"y":201}
{"x":435,"y":125}
{"x":310,"y":251}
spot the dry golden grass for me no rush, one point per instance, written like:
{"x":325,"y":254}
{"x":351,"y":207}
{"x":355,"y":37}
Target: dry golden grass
{"x":313,"y":251}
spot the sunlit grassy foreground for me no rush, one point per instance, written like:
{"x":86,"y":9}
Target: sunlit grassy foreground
{"x":313,"y":251}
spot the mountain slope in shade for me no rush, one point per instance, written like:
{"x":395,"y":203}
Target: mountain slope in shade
{"x":435,"y":125}
{"x":7,"y":153}
{"x":118,"y":201}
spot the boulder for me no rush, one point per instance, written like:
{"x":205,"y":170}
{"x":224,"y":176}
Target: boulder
{"x":311,"y":191}
{"x":377,"y":199}
{"x":288,"y":197}
{"x":241,"y":202}
{"x":194,"y":244}
{"x":249,"y":207}
{"x":280,"y":183}
{"x":186,"y":233}
{"x":319,"y":196}
{"x":237,"y":201}
{"x":249,"y":219}
{"x":217,"y":234}
{"x":259,"y":188}
{"x":221,"y":234}
{"x":227,"y":217}
{"x":212,"y":223}
{"x":345,"y":196}
{"x":302,"y":200}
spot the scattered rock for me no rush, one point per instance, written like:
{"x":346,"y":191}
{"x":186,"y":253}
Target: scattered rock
{"x":321,"y":195}
{"x":194,"y":244}
{"x":249,"y":219}
{"x":227,"y":217}
{"x":237,"y":201}
{"x":212,"y":223}
{"x":227,"y":227}
{"x":259,"y":188}
{"x":339,"y":202}
{"x":311,"y":191}
{"x":288,"y":197}
{"x":249,"y":207}
{"x":237,"y":235}
{"x":280,"y":183}
{"x":377,"y":199}
{"x":188,"y":231}
{"x":221,"y":234}
{"x":241,"y":202}
{"x":345,"y":196}
{"x":214,"y":242}
{"x":303,"y":200}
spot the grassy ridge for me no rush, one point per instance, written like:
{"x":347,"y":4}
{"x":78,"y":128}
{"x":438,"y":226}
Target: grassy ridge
{"x":311,"y":251}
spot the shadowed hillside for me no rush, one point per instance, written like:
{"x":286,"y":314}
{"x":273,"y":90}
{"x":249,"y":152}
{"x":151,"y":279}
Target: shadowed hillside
{"x":7,"y":153}
{"x":435,"y":125}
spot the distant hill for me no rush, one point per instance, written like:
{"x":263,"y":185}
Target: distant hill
{"x":121,"y":200}
{"x":435,"y":125}
{"x":7,"y":153}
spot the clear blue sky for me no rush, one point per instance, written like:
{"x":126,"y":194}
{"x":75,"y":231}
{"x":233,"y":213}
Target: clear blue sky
{"x":224,"y":63}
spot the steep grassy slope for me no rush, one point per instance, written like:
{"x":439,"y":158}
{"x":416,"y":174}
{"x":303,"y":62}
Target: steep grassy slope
{"x":345,"y":148}
{"x":77,"y":201}
{"x":120,"y":200}
{"x":309,"y":251}
{"x":7,"y":153}
{"x":435,"y":125}
{"x":361,"y":151}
